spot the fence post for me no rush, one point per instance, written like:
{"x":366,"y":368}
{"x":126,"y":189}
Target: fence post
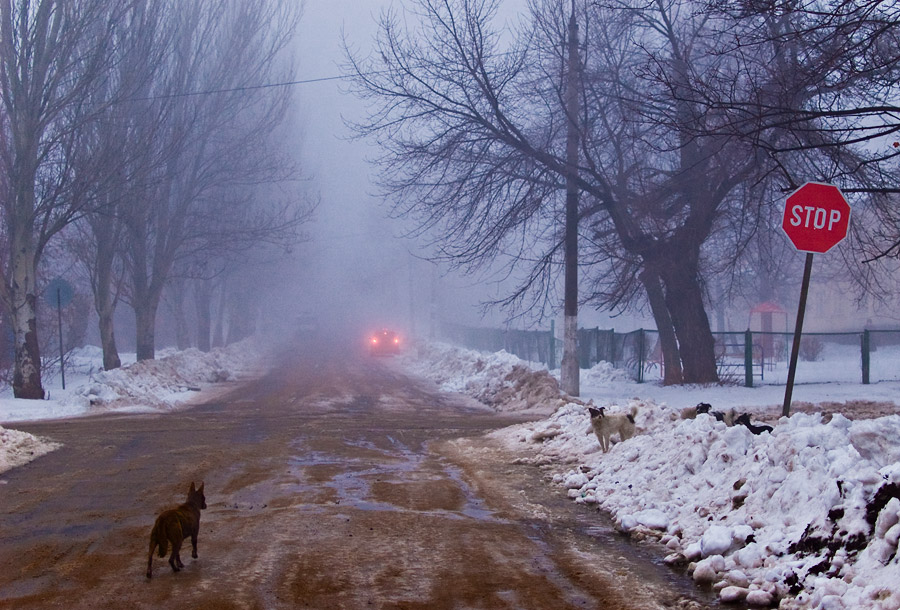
{"x":641,"y":355}
{"x":748,"y":358}
{"x":551,"y":358}
{"x":865,"y":343}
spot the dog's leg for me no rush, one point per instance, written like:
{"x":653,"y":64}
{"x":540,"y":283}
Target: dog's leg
{"x":150,"y":558}
{"x":174,"y":559}
{"x":194,"y":543}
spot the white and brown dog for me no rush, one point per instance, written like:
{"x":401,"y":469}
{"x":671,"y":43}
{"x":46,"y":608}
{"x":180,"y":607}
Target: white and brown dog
{"x":607,"y":424}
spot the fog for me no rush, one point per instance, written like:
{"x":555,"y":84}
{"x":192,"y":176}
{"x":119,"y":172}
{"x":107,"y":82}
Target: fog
{"x":357,"y":270}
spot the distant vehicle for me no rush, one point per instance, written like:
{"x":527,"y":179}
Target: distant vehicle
{"x":384,"y":343}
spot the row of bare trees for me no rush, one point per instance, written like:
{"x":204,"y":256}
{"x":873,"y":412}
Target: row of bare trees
{"x":135,"y":134}
{"x":695,"y":119}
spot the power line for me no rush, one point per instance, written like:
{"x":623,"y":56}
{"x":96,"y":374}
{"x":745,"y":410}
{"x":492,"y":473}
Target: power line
{"x":289,"y":83}
{"x":238,"y":89}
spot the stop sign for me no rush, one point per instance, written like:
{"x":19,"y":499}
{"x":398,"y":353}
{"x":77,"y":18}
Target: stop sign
{"x":816,"y":217}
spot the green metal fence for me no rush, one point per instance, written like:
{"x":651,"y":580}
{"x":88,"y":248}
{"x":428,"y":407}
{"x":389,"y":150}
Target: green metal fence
{"x":746,"y":357}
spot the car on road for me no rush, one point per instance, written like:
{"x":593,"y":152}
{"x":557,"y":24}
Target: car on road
{"x":384,"y":342}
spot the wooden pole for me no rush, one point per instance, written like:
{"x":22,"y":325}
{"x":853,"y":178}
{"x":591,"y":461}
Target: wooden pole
{"x":569,"y":373}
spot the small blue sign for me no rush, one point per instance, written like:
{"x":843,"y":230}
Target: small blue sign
{"x":59,"y":293}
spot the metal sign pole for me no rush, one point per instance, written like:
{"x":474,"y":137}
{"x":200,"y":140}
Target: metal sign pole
{"x":62,"y":368}
{"x":798,"y":330}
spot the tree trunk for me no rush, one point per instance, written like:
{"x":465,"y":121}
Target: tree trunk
{"x":684,"y":300}
{"x":219,"y":320}
{"x":176,"y":304}
{"x":107,"y":329}
{"x":145,"y":321}
{"x":203,"y":303}
{"x":104,"y":302}
{"x":667,"y":340}
{"x":27,"y":373}
{"x":23,"y":310}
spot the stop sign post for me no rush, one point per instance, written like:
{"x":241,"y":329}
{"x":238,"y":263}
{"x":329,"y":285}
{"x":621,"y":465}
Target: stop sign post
{"x":816,"y":219}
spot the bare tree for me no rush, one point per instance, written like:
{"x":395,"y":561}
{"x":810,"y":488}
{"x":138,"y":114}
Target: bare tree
{"x":216,"y":148}
{"x":474,"y":141}
{"x":117,"y":162}
{"x":53,"y":54}
{"x":812,"y":87}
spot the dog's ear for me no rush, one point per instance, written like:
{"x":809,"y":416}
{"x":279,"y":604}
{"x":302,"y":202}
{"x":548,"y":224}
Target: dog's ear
{"x":193,"y":489}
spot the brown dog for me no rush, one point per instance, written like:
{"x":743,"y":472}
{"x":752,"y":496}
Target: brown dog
{"x":606,"y":425}
{"x":173,"y":526}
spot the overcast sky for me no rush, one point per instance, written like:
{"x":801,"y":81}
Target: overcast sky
{"x":361,"y":266}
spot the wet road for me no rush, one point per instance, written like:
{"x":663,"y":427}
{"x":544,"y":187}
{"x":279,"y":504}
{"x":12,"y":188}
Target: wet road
{"x":336,"y":483}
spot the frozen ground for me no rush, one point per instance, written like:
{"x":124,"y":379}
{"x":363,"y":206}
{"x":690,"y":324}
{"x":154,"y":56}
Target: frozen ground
{"x":173,"y":379}
{"x":837,"y":362}
{"x":805,"y":517}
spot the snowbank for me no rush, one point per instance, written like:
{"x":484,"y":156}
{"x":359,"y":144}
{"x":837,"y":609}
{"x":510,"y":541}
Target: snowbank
{"x":163,"y":383}
{"x":805,"y":517}
{"x":153,"y":385}
{"x":18,"y":448}
{"x":500,"y":380}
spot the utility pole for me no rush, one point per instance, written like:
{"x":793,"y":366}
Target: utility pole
{"x":569,"y":373}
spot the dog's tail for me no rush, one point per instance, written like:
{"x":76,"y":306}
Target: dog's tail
{"x":158,"y":537}
{"x":150,"y":554}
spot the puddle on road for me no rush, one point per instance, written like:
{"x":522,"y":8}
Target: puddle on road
{"x":394,"y":478}
{"x":382,"y":470}
{"x":401,"y":480}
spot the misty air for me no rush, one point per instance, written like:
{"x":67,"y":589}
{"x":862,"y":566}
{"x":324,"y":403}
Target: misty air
{"x":450,"y":304}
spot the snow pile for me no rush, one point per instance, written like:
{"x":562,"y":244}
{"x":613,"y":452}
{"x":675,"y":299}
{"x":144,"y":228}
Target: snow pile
{"x":18,"y":448}
{"x":167,"y":381}
{"x":152,"y":385}
{"x":809,"y":514}
{"x":603,"y":374}
{"x":500,"y":380}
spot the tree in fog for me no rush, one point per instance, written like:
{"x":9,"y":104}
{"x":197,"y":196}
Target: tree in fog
{"x":117,"y":162}
{"x":473,"y":133}
{"x":209,"y":152}
{"x":474,"y":136}
{"x":814,"y":88}
{"x":53,"y":55}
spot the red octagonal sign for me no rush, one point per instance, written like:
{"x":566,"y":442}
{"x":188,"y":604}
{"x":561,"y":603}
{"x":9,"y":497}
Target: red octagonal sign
{"x":816,"y":217}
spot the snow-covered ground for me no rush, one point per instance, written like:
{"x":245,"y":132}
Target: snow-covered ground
{"x":836,"y":363}
{"x":173,"y":379}
{"x":807,"y":516}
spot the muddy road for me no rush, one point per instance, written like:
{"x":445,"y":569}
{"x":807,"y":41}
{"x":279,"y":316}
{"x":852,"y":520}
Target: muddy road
{"x":333,"y":482}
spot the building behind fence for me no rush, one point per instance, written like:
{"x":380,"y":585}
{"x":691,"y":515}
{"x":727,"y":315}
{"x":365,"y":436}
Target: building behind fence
{"x":748,"y":358}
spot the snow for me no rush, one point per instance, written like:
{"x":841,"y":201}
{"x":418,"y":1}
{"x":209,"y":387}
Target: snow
{"x":805,"y":517}
{"x":18,"y":448}
{"x":789,"y":517}
{"x":160,"y":385}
